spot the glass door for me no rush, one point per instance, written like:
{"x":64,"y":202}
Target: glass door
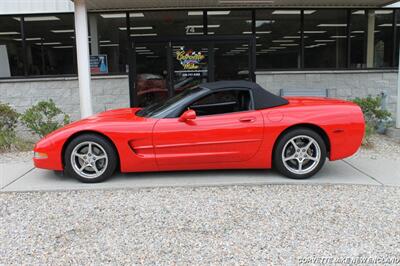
{"x":232,"y":60}
{"x":162,"y":68}
{"x":151,"y":73}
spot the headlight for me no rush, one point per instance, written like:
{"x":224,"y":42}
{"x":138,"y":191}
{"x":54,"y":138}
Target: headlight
{"x":40,"y":155}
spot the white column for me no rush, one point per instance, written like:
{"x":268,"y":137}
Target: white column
{"x":398,"y":97}
{"x":94,"y":37}
{"x":82,"y":54}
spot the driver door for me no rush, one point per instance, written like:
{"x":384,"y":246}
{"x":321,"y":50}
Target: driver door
{"x":226,"y":130}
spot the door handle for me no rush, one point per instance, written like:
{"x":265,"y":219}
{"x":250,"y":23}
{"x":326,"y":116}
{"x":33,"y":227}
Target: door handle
{"x":249,"y":119}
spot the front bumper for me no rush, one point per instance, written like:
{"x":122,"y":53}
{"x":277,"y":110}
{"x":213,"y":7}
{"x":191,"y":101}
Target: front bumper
{"x":47,"y":157}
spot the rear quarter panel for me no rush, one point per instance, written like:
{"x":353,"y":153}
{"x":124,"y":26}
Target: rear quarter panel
{"x":342,"y":122}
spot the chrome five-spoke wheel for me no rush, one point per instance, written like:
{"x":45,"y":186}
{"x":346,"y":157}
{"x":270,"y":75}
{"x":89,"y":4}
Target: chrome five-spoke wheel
{"x":300,"y":153}
{"x":89,"y":159}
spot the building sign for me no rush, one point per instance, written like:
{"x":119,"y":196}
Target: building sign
{"x":189,"y":59}
{"x":99,"y":64}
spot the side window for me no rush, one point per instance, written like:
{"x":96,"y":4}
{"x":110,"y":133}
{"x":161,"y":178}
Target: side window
{"x":228,"y":101}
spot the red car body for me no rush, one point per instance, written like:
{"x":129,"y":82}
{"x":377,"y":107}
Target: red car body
{"x":226,"y":141}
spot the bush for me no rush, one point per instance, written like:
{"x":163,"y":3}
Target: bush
{"x":44,"y":117}
{"x":373,"y":114}
{"x":371,"y":107}
{"x":8,"y":123}
{"x":8,"y":117}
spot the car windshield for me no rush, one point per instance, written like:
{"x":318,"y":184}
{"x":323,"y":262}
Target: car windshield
{"x":157,"y":108}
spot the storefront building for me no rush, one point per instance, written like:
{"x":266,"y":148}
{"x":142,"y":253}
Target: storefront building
{"x":144,"y":51}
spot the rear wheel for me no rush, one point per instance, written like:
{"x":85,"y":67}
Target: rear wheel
{"x":90,"y":158}
{"x":300,"y":153}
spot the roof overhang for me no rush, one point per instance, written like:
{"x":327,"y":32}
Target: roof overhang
{"x":93,"y":5}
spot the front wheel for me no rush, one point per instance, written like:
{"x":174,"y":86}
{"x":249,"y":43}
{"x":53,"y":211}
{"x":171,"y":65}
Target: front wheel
{"x":90,"y":158}
{"x":300,"y":153}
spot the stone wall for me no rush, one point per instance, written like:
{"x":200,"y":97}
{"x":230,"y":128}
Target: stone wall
{"x":340,"y":84}
{"x":107,"y":93}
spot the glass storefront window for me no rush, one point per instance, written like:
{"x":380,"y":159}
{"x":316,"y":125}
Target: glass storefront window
{"x":166,"y":23}
{"x":229,"y":22}
{"x":108,"y":37}
{"x":50,"y":44}
{"x":232,"y":60}
{"x":50,"y":41}
{"x":383,"y":38}
{"x":278,"y":39}
{"x":359,"y":30}
{"x":151,"y":69}
{"x":326,"y":42}
{"x":11,"y":54}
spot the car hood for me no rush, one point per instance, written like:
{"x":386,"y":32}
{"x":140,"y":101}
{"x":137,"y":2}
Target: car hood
{"x":118,"y":114}
{"x":108,"y":118}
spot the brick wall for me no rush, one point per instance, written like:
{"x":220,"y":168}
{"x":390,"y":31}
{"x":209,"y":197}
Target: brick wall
{"x":107,"y":93}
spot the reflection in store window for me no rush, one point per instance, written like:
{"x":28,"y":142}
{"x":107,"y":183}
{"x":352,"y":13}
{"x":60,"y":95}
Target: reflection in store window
{"x":278,"y":38}
{"x":359,"y":40}
{"x":11,"y":55}
{"x":326,"y":42}
{"x":151,"y":57}
{"x":166,"y":23}
{"x":109,"y":37}
{"x":151,"y":68}
{"x":50,"y":44}
{"x":232,"y":60}
{"x":229,"y":22}
{"x":383,"y":38}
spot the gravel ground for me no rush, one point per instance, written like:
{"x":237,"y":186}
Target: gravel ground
{"x":269,"y":225}
{"x":382,"y":147}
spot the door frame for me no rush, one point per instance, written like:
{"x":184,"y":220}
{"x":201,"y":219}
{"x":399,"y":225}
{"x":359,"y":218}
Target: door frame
{"x":134,"y":41}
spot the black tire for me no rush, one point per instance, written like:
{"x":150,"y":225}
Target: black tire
{"x":106,"y":172}
{"x":284,"y":141}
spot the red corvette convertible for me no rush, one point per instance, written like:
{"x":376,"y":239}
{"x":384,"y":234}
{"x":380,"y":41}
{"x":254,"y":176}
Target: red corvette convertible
{"x":219,"y":125}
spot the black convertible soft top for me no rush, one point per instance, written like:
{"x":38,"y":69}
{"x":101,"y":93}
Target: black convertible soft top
{"x":262,"y":98}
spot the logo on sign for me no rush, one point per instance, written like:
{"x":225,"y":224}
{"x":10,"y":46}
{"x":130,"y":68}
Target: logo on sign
{"x":189,"y":59}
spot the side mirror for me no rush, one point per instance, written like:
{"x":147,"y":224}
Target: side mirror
{"x":187,"y":116}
